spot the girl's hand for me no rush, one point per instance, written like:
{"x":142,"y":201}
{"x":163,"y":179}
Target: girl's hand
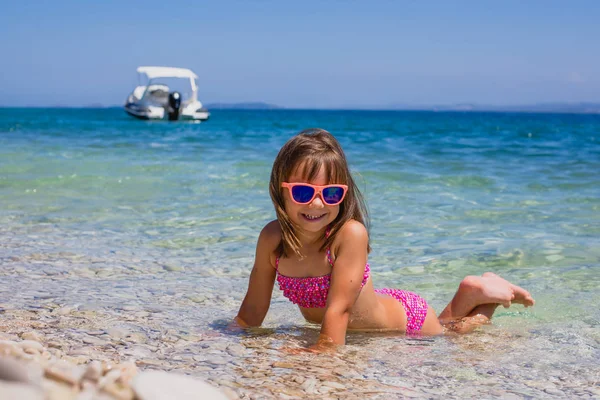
{"x":297,"y":350}
{"x":314,"y":349}
{"x":321,"y":349}
{"x":237,"y":325}
{"x":324,"y":345}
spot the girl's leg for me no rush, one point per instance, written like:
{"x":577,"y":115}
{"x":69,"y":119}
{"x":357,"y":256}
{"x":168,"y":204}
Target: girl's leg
{"x":488,"y":289}
{"x":481,"y":315}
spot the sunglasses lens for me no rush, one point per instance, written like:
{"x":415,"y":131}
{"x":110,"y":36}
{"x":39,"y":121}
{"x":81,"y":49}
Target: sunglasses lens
{"x":333,"y":194}
{"x":303,"y":194}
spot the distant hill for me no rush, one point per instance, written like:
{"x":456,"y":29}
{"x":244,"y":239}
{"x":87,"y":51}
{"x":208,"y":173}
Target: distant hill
{"x":257,"y":105}
{"x":575,"y":108}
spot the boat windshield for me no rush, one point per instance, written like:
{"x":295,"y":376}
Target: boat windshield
{"x":185,"y":86}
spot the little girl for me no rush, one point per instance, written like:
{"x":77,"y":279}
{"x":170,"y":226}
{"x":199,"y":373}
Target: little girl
{"x":317,"y":250}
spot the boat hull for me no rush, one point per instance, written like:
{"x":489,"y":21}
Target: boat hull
{"x":158,"y":113}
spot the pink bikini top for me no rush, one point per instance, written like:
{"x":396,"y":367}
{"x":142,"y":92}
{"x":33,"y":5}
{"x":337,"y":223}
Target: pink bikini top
{"x":310,"y":291}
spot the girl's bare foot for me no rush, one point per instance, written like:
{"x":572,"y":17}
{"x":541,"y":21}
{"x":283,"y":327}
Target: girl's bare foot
{"x":487,"y":290}
{"x":520,"y":295}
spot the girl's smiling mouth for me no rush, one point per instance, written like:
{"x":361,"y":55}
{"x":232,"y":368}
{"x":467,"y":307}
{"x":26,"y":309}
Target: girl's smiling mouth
{"x":311,"y":218}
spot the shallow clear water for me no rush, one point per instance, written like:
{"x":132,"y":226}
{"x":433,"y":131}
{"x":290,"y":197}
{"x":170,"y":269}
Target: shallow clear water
{"x":106,"y":213}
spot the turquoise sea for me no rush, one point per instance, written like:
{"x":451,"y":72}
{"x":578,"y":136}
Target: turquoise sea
{"x":150,"y":227}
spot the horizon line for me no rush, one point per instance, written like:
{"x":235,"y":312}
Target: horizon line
{"x":581,"y":107}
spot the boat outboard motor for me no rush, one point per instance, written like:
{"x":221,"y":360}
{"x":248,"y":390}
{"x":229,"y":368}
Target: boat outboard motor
{"x":174,"y":106}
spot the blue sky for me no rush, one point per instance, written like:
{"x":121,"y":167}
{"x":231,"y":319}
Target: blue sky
{"x":309,"y":54}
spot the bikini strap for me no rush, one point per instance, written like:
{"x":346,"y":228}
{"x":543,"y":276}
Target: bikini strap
{"x":328,"y":251}
{"x":277,"y":264}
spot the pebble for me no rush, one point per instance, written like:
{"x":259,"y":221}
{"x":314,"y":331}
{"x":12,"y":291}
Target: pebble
{"x":19,"y":391}
{"x":158,"y":385}
{"x":31,"y":344}
{"x":141,"y":314}
{"x":230,"y":393}
{"x":110,"y":378}
{"x":138,"y":351}
{"x":62,"y":374}
{"x":58,"y":391}
{"x":220,"y":346}
{"x":136,"y":337}
{"x":64,"y":310}
{"x":13,"y":371}
{"x":236,"y":350}
{"x":554,"y":392}
{"x":80,"y":351}
{"x":93,"y":340}
{"x":32,"y":336}
{"x":309,"y":385}
{"x":118,"y":392}
{"x":217,"y":361}
{"x":346,"y":373}
{"x":93,"y":371}
{"x":95,"y":333}
{"x":334,"y":385}
{"x":9,"y":348}
{"x":280,"y":364}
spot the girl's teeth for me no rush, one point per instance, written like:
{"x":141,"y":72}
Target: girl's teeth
{"x":313,"y":216}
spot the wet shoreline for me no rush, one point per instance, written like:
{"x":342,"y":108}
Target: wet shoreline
{"x":270,"y":363}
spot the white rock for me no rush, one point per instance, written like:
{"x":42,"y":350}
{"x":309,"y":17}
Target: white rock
{"x":309,"y":385}
{"x":334,"y":385}
{"x":31,"y":344}
{"x":117,"y":333}
{"x":138,"y":351}
{"x":93,"y":340}
{"x":93,"y":371}
{"x":10,"y":390}
{"x":33,"y":335}
{"x":14,"y":371}
{"x":236,"y":350}
{"x":10,"y":348}
{"x":159,"y":385}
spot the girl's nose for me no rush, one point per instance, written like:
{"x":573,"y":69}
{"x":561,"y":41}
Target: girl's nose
{"x":317,"y":202}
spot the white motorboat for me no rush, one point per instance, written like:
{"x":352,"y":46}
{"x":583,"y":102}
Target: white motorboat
{"x":166,"y":93}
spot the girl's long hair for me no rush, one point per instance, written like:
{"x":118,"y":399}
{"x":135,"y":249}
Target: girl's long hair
{"x":313,"y":149}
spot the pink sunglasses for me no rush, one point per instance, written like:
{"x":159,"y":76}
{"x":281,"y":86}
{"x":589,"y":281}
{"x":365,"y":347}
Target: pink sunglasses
{"x":304,"y":193}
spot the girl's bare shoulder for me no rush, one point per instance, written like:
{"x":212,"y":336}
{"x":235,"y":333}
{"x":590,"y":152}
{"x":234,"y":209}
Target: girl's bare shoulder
{"x":352,"y":233}
{"x":270,"y":236}
{"x":353,"y":228}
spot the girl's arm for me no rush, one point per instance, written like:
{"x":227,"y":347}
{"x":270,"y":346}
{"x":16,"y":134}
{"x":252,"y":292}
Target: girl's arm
{"x":346,"y":282}
{"x":258,"y":297}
